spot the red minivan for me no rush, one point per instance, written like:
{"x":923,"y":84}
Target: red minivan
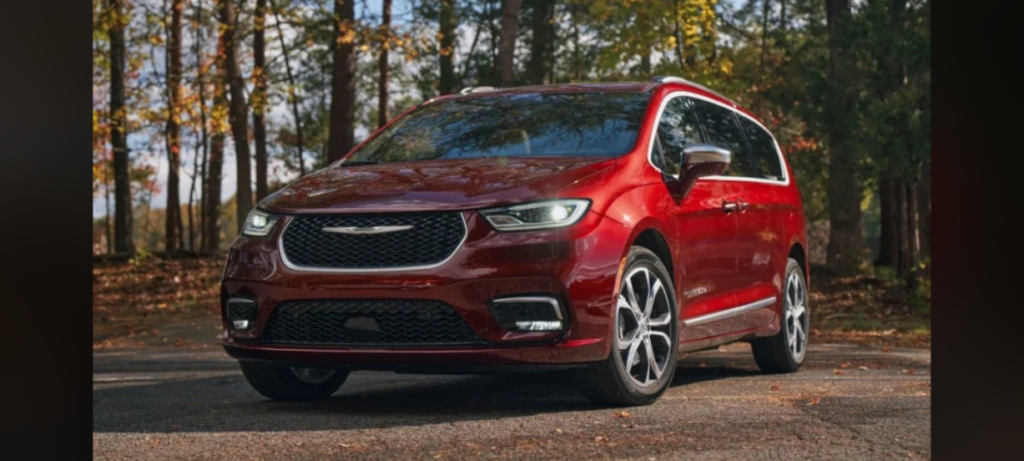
{"x":604,"y":228}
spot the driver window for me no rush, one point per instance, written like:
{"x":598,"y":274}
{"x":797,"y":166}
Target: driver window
{"x":677,"y":129}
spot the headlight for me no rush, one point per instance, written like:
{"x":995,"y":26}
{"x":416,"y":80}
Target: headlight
{"x":259,"y":223}
{"x":539,"y":215}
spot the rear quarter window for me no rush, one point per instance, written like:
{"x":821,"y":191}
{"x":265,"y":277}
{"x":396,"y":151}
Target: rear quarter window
{"x":762,"y":146}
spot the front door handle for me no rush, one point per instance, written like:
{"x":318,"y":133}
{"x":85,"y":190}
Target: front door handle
{"x":729,"y":207}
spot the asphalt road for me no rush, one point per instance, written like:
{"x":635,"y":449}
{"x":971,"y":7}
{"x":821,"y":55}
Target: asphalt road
{"x":172,"y":398}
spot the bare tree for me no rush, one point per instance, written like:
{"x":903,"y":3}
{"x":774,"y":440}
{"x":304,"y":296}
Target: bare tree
{"x":507,"y":43}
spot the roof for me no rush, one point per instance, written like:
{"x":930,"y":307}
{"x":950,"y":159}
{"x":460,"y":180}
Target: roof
{"x":621,"y":87}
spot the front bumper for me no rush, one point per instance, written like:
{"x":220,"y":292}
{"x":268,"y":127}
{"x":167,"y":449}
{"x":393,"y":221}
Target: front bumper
{"x":579,"y":265}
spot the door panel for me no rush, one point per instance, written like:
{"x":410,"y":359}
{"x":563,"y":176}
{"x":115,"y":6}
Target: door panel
{"x":759,"y":259}
{"x":706,"y":234}
{"x":708,"y":253}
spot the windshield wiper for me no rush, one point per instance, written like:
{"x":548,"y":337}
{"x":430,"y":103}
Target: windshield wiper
{"x":360,"y":162}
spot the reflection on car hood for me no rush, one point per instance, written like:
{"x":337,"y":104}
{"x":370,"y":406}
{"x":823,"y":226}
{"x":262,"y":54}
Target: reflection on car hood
{"x":433,"y":184}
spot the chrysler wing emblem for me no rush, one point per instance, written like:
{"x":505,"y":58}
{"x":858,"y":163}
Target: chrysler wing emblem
{"x":366,"y":230}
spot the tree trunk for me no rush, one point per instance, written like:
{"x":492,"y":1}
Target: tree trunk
{"x":216,"y":165}
{"x":119,"y":132}
{"x":172,"y":221}
{"x":192,"y":201}
{"x":679,"y":35}
{"x":766,"y":7}
{"x":259,"y":96}
{"x":924,"y":210}
{"x":782,"y":24}
{"x":201,"y":91}
{"x":912,"y":237}
{"x":109,"y":225}
{"x":341,"y":139}
{"x":507,"y":43}
{"x":382,"y":81}
{"x":577,"y":61}
{"x":645,"y":63}
{"x":237,"y":112}
{"x":903,"y":234}
{"x":888,"y":253}
{"x":540,"y":43}
{"x":846,"y":236}
{"x":472,"y":50}
{"x":447,"y":47}
{"x":291,"y":91}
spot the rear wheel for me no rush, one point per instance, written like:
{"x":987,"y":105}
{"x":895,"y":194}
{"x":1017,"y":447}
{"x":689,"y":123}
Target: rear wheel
{"x":645,"y":340}
{"x":292,"y":383}
{"x":785,"y":352}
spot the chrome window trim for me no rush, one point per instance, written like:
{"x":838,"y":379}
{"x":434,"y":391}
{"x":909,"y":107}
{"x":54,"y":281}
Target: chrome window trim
{"x":334,"y":270}
{"x":690,"y":94}
{"x":731,"y":312}
{"x":533,"y":299}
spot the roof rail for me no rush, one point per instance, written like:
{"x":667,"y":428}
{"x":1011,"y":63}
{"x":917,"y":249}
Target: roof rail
{"x":671,"y":79}
{"x":477,"y":89}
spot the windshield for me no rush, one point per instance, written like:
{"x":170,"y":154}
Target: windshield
{"x":518,"y":125}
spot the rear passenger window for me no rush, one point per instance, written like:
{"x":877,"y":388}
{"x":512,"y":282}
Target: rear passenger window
{"x":677,"y":129}
{"x":766,"y":157}
{"x":722,"y":130}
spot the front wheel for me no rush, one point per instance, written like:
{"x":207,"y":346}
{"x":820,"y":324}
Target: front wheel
{"x":785,"y":352}
{"x":645,"y":338}
{"x":286,"y":383}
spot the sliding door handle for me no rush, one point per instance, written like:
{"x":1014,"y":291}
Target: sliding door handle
{"x":728,"y":206}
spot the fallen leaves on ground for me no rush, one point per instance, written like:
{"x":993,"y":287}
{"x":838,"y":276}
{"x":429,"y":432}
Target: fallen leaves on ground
{"x":129,"y":298}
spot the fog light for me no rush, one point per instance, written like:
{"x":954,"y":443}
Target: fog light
{"x":528,"y":313}
{"x":241,"y":313}
{"x":543,"y":325}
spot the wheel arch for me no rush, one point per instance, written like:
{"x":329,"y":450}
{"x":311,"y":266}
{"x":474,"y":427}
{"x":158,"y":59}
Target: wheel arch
{"x":798,"y":253}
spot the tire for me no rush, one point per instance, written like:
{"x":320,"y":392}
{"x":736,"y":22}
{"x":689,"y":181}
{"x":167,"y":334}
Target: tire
{"x":608,"y":382}
{"x":292,"y":384}
{"x":782,"y":353}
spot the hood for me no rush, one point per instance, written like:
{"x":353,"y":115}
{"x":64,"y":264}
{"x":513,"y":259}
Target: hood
{"x":433,"y":184}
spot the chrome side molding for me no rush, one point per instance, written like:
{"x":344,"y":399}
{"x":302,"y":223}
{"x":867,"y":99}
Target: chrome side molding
{"x":732,"y":312}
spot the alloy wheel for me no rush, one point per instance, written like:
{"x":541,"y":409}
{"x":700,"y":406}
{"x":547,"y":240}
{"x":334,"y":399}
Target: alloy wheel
{"x":644,"y":327}
{"x":797,"y":320}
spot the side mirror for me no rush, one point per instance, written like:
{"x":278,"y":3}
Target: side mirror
{"x":698,"y":161}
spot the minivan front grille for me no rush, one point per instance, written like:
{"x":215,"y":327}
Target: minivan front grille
{"x":368,"y":322}
{"x":372,"y":241}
